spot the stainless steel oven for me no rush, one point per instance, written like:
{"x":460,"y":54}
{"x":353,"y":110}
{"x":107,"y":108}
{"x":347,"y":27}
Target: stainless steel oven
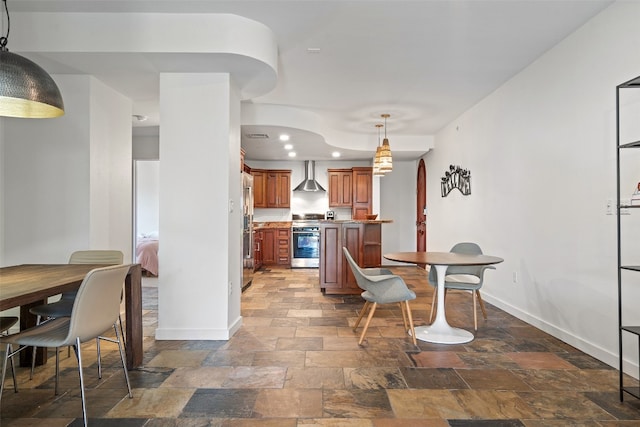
{"x":305,"y":241}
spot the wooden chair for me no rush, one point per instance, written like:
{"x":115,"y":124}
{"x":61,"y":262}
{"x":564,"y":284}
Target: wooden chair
{"x":380,"y":286}
{"x":465,"y":278}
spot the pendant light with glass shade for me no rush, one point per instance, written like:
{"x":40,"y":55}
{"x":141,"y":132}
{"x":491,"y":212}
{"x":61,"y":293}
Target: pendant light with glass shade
{"x":26,"y":89}
{"x":386,"y":162}
{"x":376,"y":159}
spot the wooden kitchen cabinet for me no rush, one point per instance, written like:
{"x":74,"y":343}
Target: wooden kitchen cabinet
{"x":340,"y":187}
{"x":363,"y":240}
{"x":351,"y":188}
{"x":257,"y":250}
{"x":268,"y":246}
{"x":362,"y":193}
{"x":259,"y":188}
{"x":278,"y":188}
{"x":271,"y":188}
{"x":276,"y":246}
{"x":283,"y":242}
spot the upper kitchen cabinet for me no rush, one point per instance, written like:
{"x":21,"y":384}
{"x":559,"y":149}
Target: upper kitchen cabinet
{"x":351,"y":188}
{"x":362,"y":192}
{"x":340,"y":183}
{"x":271,"y":188}
{"x":259,"y":188}
{"x":279,"y":189}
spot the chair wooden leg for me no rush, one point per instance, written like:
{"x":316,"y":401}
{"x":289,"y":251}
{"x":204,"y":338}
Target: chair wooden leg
{"x":433,"y":304}
{"x":366,"y":325}
{"x":484,"y":311}
{"x":404,"y":316}
{"x":413,"y":331}
{"x":475,"y":311}
{"x":362,"y":312}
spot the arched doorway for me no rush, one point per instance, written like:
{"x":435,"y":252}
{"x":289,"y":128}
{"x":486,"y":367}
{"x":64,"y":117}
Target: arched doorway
{"x":421,"y":208}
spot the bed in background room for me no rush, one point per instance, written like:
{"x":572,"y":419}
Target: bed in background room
{"x":147,"y":252}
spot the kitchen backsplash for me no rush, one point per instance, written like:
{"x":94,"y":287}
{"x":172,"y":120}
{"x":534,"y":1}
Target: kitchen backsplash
{"x":265,"y":215}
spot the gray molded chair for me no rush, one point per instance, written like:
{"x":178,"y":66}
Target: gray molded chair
{"x":381,"y":286}
{"x":62,"y":307}
{"x":6,"y":322}
{"x":465,"y":278}
{"x":95,"y":310}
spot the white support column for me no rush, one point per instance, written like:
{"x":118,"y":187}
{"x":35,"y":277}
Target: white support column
{"x":200,"y":215}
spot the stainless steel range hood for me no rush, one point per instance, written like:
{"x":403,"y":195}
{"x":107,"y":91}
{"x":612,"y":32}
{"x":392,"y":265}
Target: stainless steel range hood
{"x":309,"y":183}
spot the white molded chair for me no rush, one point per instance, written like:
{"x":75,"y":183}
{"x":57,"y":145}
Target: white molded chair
{"x":95,"y":310}
{"x":465,"y":278}
{"x":62,"y":307}
{"x":380,"y":286}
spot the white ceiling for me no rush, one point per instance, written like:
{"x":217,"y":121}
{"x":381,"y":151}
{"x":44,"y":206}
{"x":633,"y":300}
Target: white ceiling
{"x":423,"y":62}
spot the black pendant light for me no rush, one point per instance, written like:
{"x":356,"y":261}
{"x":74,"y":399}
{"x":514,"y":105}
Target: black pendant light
{"x":26,"y":89}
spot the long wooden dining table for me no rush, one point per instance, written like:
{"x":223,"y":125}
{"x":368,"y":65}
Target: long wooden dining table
{"x":29,"y":285}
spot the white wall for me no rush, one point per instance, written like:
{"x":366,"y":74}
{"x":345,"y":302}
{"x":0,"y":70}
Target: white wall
{"x":147,"y":196}
{"x":146,"y":147}
{"x":200,"y":207}
{"x":47,"y":207}
{"x":398,"y":203}
{"x":51,"y":167}
{"x":2,"y":187}
{"x":46,"y":173}
{"x":66,"y":182}
{"x":110,"y":169}
{"x":541,"y":150}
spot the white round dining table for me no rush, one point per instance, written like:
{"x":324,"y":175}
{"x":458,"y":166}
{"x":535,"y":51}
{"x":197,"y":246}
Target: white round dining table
{"x":440,"y":331}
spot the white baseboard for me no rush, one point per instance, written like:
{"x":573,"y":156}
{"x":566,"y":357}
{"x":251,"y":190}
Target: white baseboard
{"x":198,"y":334}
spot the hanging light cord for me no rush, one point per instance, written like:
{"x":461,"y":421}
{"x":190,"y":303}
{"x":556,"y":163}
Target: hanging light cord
{"x":385,"y":120}
{"x":5,"y":39}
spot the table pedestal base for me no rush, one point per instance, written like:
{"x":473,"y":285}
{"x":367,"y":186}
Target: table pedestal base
{"x":443,"y":334}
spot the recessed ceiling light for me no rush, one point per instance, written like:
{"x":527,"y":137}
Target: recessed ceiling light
{"x":288,"y":147}
{"x":313,"y":50}
{"x":284,"y":137}
{"x":292,"y":153}
{"x":335,"y":154}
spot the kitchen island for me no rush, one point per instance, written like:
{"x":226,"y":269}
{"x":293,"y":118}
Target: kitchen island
{"x":363,"y":239}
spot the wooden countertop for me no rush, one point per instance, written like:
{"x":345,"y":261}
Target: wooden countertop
{"x":262,"y":225}
{"x":271,"y":224}
{"x":356,"y":221}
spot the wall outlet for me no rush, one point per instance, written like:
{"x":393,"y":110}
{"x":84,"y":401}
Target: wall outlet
{"x":230,"y":287}
{"x":515,"y":277}
{"x":610,"y":207}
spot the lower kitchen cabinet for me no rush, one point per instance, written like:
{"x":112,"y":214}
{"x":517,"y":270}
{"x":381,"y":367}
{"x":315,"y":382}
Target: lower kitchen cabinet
{"x":257,"y":250}
{"x":276,"y":246}
{"x":364,"y":242}
{"x":283,"y":242}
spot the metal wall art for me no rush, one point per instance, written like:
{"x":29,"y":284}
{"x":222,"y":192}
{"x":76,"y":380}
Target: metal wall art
{"x":456,"y":177}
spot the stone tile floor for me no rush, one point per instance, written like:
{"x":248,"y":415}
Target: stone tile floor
{"x":296,"y":362}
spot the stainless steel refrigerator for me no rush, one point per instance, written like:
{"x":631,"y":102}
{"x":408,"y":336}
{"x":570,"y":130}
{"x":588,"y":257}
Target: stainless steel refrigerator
{"x":247,"y":230}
